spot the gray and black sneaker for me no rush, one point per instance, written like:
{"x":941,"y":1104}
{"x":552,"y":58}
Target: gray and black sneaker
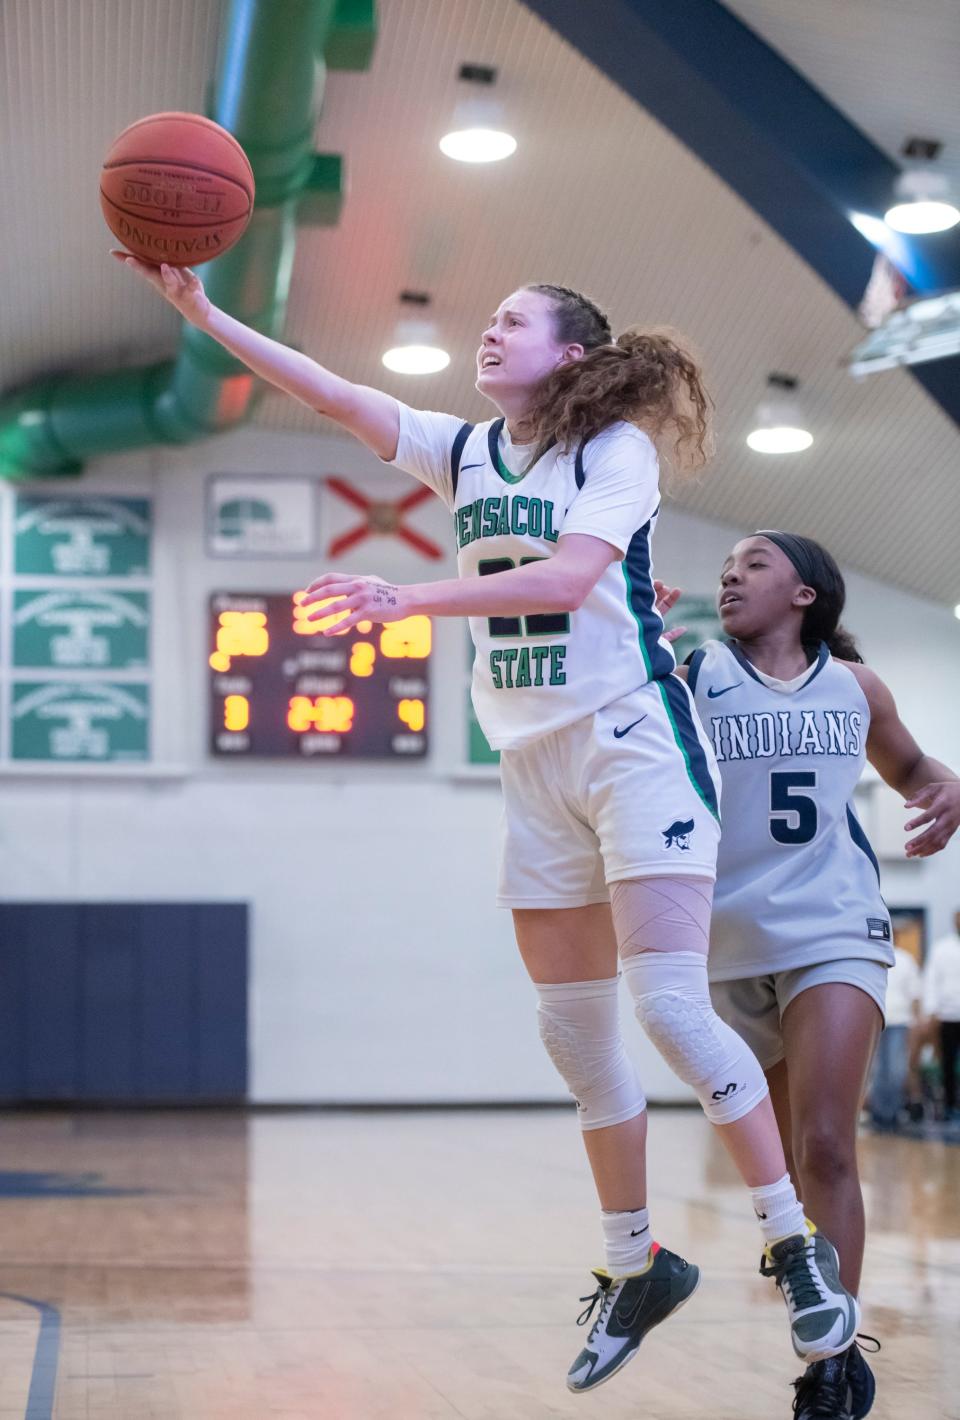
{"x":822,"y":1392}
{"x":823,"y":1315}
{"x":629,"y":1307}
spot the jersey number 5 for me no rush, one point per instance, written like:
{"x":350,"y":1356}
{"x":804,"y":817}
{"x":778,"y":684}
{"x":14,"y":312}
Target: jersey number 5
{"x":542,"y":624}
{"x":793,"y":817}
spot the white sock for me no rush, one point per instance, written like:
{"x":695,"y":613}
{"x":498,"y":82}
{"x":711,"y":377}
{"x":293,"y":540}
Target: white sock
{"x":626,"y":1241}
{"x":778,"y":1211}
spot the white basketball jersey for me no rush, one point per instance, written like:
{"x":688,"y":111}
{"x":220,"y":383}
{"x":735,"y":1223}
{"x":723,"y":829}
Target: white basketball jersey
{"x":797,"y":880}
{"x":534,"y":674}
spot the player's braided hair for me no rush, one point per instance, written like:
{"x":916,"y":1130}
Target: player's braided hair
{"x":643,"y":376}
{"x":821,"y":619}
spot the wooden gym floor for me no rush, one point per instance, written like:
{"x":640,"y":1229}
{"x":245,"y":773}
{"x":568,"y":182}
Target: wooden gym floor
{"x":416,"y":1266}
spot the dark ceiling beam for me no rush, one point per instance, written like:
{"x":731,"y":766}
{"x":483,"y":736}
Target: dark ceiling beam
{"x":768,"y":133}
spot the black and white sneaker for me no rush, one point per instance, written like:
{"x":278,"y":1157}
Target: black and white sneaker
{"x":822,"y":1392}
{"x":629,"y":1307}
{"x":823,"y":1315}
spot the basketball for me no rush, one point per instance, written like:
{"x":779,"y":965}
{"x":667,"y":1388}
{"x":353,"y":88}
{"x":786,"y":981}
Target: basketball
{"x":176,"y":188}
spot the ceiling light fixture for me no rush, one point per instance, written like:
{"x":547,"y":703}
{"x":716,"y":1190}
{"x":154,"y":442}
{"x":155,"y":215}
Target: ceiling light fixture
{"x":778,"y":423}
{"x":926,"y":202}
{"x":477,"y":132}
{"x":415,"y":350}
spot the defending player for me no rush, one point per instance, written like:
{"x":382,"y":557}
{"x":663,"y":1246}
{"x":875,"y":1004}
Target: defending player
{"x":800,"y":937}
{"x":610,"y":788}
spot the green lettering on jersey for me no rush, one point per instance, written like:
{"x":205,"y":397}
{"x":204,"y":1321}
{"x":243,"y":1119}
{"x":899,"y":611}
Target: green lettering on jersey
{"x":491,"y":511}
{"x":518,"y":511}
{"x":519,"y":667}
{"x":498,"y":517}
{"x":540,"y":654}
{"x":549,"y":531}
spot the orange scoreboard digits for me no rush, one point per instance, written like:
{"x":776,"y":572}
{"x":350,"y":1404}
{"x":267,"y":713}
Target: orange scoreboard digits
{"x":280,"y":690}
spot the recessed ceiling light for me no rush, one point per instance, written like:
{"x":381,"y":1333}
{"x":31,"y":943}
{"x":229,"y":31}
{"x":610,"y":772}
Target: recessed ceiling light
{"x":416,"y":359}
{"x":478,"y":145}
{"x":926,"y":203}
{"x":478,"y":132}
{"x":778,"y":424}
{"x":416,"y":349}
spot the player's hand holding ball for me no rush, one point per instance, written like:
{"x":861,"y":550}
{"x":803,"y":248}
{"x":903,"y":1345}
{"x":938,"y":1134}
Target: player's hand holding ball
{"x":178,"y":284}
{"x":177,"y":189}
{"x":357,"y":599}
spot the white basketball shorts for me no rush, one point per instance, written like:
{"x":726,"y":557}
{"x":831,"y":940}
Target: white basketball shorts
{"x":631,"y":791}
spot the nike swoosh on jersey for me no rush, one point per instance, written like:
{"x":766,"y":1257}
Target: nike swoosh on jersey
{"x":618,"y":734}
{"x":712,"y":693}
{"x":464,"y":467}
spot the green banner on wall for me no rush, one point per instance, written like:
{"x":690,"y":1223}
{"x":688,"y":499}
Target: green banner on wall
{"x":64,"y":721}
{"x":82,"y":537}
{"x":74,"y":629}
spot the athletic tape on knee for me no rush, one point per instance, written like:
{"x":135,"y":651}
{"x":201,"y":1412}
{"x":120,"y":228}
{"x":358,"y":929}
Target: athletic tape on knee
{"x":580,"y":1027}
{"x":662,"y":914}
{"x":673,"y":1006}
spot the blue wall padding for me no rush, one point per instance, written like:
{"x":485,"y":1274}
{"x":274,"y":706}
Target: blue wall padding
{"x":123,"y":1002}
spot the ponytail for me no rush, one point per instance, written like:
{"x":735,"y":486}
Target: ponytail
{"x":842,"y":645}
{"x":645,"y":377}
{"x":816,"y":568}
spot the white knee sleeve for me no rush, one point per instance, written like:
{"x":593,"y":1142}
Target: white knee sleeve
{"x":580,"y":1026}
{"x":673,"y":1006}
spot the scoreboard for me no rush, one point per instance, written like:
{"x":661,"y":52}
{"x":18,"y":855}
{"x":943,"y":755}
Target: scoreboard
{"x":281,"y":690}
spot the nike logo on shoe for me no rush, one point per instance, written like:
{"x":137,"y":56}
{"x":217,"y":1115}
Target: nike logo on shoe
{"x":626,"y":1316}
{"x":712,"y":694}
{"x":618,"y":734}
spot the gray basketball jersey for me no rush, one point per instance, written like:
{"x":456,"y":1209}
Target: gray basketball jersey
{"x":797,"y":880}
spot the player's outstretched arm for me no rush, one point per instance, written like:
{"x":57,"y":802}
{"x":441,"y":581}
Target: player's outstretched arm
{"x":551,"y":584}
{"x":370,"y":415}
{"x":925,"y":783}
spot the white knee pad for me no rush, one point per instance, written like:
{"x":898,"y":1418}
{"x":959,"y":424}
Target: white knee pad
{"x":580,"y":1026}
{"x":673,"y":1006}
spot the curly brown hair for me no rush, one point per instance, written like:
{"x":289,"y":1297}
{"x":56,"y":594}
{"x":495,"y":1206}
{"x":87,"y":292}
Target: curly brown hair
{"x":644,"y":376}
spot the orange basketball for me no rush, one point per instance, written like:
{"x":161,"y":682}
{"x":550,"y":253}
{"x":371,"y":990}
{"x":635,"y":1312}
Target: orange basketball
{"x":176,"y":187}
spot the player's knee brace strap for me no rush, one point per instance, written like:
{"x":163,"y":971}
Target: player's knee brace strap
{"x":580,"y":1026}
{"x":673,"y":1006}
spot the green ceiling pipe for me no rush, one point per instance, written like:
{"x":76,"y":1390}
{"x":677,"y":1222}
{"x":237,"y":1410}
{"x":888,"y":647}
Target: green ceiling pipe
{"x":267,"y":91}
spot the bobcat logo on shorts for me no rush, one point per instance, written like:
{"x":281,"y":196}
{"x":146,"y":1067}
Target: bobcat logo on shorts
{"x":678,"y":834}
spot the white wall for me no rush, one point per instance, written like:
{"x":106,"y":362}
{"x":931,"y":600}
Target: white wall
{"x":380,"y":968}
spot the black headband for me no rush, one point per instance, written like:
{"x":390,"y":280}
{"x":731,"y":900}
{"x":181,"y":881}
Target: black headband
{"x":795,"y":550}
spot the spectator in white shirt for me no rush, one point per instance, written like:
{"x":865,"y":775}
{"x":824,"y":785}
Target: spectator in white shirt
{"x":941,"y":1001}
{"x":893,"y":1048}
